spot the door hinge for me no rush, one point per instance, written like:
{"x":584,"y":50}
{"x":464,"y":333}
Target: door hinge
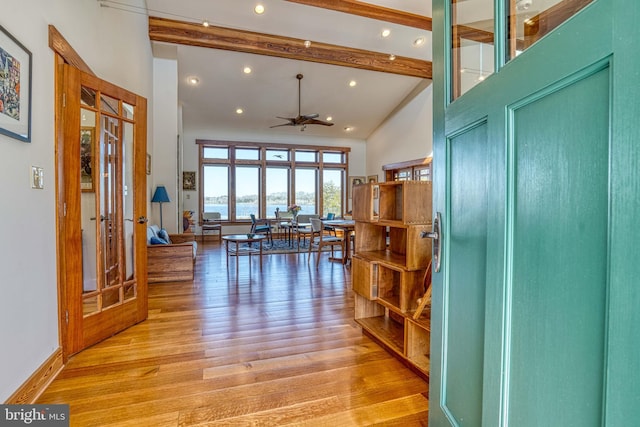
{"x":66,"y":316}
{"x":64,"y":100}
{"x":64,"y":209}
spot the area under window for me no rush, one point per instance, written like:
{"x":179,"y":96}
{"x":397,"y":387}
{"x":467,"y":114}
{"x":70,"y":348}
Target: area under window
{"x":242,"y":178}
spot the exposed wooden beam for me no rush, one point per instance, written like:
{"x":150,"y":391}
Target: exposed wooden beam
{"x":372,"y":11}
{"x":187,"y":33}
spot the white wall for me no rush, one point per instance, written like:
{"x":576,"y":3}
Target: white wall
{"x":408,"y":135}
{"x":115,"y":45}
{"x":164,"y":170}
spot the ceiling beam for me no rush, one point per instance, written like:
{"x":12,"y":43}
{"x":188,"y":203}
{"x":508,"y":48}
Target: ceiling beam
{"x":372,"y":11}
{"x":187,"y":33}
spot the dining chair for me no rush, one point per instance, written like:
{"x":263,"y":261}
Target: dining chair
{"x":330,"y":217}
{"x":319,"y":239}
{"x":211,"y":222}
{"x":264,"y":228}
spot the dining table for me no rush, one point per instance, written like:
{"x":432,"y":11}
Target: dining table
{"x":348,"y":227}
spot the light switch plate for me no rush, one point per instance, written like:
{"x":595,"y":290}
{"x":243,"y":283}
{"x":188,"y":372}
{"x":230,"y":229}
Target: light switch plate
{"x":37,"y":177}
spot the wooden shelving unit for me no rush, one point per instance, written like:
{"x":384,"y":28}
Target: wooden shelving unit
{"x":390,"y":265}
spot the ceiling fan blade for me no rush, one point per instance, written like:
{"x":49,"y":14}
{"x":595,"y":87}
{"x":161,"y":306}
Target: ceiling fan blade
{"x":316,"y":122}
{"x":284,"y":124}
{"x":310,"y":116}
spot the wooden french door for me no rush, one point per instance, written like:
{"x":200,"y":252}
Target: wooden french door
{"x":535,"y":308}
{"x":103,"y":219}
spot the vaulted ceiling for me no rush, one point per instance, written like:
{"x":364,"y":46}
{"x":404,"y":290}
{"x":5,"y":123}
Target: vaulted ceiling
{"x":346,"y":45}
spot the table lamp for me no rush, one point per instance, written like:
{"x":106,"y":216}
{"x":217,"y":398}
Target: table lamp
{"x":160,"y":196}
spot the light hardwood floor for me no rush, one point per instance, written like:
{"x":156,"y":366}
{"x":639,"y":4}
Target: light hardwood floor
{"x":273,"y":347}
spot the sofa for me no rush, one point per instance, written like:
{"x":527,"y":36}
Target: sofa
{"x":170,"y":257}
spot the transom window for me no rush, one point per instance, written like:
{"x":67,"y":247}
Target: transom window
{"x":240,"y":179}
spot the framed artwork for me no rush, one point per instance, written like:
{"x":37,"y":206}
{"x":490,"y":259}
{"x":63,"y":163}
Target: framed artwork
{"x":15,"y":88}
{"x":148,"y":164}
{"x":87,"y":159}
{"x":188,"y":180}
{"x":372,"y":179}
{"x":355,"y":180}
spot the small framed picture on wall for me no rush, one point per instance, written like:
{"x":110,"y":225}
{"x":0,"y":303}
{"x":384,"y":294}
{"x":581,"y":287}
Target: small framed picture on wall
{"x":188,"y":180}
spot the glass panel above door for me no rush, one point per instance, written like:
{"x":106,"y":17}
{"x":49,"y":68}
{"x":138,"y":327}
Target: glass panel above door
{"x":530,"y":20}
{"x":472,"y":44}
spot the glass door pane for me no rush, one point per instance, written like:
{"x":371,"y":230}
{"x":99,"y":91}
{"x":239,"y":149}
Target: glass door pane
{"x":88,"y":209}
{"x":128,"y":208}
{"x":472,"y":44}
{"x":110,"y":208}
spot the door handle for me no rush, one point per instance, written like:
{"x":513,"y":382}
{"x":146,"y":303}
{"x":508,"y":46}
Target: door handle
{"x":436,"y":235}
{"x":143,"y":220}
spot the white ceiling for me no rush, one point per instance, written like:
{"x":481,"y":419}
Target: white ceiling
{"x":271,"y":89}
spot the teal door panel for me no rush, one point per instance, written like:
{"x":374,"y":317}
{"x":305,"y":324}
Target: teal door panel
{"x":465,"y":289}
{"x":536,"y":171}
{"x":558,"y":286}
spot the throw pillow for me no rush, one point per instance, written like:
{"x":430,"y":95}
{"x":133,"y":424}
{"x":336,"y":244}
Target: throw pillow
{"x":157,"y":241}
{"x":164,"y":235}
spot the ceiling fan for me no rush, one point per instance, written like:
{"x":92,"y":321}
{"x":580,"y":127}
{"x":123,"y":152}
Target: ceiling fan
{"x":302,"y":120}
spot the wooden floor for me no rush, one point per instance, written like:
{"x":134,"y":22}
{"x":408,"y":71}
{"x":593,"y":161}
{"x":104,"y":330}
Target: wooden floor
{"x":271,"y":348}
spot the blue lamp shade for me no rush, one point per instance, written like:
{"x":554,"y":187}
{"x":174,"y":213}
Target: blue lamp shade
{"x":160,"y":196}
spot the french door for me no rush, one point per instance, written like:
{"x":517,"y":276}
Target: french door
{"x":535,"y":308}
{"x":104,"y":286}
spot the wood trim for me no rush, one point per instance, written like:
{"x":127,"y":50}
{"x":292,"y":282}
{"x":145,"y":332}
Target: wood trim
{"x":272,"y":145}
{"x":62,"y":47}
{"x":214,"y":37}
{"x":31,"y":389}
{"x":372,"y":11}
{"x":408,"y":164}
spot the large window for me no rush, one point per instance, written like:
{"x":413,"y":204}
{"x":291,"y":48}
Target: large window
{"x":240,"y":179}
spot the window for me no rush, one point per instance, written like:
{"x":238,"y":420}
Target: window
{"x":216,"y":190}
{"x":417,"y":170}
{"x":245,"y":178}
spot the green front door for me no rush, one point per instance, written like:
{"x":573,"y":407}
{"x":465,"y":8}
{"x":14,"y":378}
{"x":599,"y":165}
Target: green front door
{"x":536,"y":308}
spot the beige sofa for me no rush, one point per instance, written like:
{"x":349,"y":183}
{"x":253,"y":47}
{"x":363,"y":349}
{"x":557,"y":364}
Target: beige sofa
{"x":171,"y":262}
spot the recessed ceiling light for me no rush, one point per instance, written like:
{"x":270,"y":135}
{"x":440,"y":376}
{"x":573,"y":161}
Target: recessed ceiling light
{"x":419,"y":41}
{"x":193,"y":80}
{"x":307,"y":43}
{"x":329,"y":118}
{"x":205,"y":23}
{"x":480,"y":78}
{"x":352,"y":83}
{"x":239,"y":111}
{"x":392,"y":57}
{"x":247,"y":70}
{"x":385,"y":33}
{"x":259,"y":9}
{"x":348,"y":129}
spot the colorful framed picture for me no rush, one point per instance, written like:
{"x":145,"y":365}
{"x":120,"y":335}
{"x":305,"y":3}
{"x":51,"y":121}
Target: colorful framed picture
{"x":15,"y":88}
{"x":188,"y":180}
{"x":87,"y":159}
